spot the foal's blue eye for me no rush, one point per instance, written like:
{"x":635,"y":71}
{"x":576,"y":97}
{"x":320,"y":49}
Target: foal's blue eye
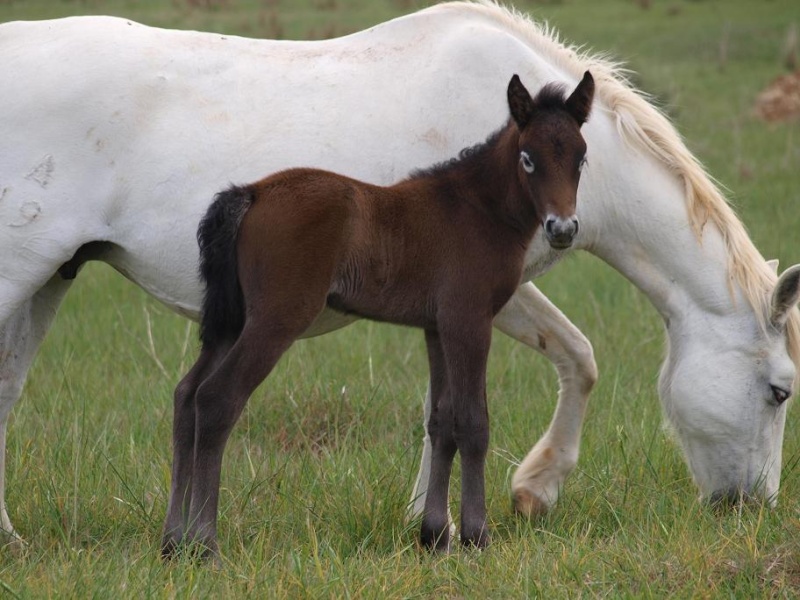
{"x":526,"y":161}
{"x":582,"y":164}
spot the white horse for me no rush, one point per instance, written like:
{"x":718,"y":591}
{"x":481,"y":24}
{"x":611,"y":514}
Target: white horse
{"x":114,"y":138}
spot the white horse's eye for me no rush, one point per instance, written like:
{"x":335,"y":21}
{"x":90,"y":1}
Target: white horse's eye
{"x":526,"y":161}
{"x":779,"y":394}
{"x":582,"y":164}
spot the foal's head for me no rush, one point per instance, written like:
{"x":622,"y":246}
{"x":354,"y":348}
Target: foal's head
{"x":552,"y":152}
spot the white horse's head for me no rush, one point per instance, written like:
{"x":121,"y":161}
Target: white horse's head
{"x":725,"y":393}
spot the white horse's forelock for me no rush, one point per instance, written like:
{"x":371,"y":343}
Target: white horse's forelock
{"x":640,"y":122}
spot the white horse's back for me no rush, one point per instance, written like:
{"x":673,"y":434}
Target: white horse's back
{"x":120,"y":132}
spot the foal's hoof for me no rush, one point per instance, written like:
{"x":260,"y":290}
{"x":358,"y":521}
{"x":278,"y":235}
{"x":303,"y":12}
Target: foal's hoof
{"x":435,"y":539}
{"x":201,"y":551}
{"x":479,"y":539}
{"x":528,"y":504}
{"x":170,"y":547}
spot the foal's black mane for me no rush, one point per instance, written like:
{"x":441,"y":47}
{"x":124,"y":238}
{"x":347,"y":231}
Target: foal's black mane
{"x":467,"y":157}
{"x":549,"y":98}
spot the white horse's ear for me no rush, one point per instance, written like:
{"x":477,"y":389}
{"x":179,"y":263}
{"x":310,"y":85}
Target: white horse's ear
{"x":773,"y":264}
{"x":785,"y":296}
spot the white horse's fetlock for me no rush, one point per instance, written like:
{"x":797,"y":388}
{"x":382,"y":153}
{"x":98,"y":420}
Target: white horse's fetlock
{"x":538,"y":481}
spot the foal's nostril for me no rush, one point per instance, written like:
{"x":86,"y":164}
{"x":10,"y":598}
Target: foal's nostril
{"x":560,"y":232}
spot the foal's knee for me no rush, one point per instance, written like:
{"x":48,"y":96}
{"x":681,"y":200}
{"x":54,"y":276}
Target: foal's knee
{"x":473,"y":440}
{"x":440,"y":430}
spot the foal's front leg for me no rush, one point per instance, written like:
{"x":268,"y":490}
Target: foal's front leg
{"x":532,"y":319}
{"x":435,"y":532}
{"x":466,"y":351}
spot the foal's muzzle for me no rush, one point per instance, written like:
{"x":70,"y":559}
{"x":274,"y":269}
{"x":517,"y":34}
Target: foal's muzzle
{"x":560,"y":232}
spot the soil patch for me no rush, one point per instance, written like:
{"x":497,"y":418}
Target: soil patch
{"x":780,"y":100}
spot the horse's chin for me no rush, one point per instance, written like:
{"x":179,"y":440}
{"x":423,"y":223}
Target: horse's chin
{"x":735,"y":499}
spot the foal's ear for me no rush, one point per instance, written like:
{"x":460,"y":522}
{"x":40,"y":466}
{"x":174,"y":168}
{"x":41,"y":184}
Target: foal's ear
{"x":785,"y":296}
{"x":579,"y":104}
{"x":520,"y":102}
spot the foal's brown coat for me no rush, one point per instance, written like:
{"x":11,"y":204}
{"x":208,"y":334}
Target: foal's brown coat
{"x":443,"y":251}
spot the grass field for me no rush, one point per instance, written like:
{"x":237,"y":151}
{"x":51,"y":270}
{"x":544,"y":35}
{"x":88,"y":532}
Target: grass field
{"x":319,"y":470}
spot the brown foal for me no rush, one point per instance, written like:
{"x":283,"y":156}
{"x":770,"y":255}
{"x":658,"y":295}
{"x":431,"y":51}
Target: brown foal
{"x":442,"y":250}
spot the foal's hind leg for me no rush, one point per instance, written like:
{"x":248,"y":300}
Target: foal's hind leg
{"x":183,"y":432}
{"x":20,"y":338}
{"x":219,"y":402}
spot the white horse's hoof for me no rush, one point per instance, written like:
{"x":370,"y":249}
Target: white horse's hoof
{"x":528,"y":504}
{"x":12,"y":543}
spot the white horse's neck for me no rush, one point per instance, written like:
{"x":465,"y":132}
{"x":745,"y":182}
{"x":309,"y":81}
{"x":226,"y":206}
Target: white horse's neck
{"x":635,"y":218}
{"x":714,"y":384}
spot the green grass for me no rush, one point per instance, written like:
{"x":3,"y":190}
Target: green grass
{"x":321,"y":465}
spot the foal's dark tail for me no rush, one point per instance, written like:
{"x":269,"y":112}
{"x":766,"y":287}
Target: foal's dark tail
{"x":223,"y":304}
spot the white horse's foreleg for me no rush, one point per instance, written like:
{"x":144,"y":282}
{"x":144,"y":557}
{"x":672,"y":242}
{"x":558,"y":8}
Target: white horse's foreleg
{"x":8,"y":536}
{"x":535,"y":321}
{"x":20,"y":338}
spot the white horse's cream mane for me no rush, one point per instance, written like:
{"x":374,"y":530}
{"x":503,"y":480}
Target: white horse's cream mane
{"x":640,"y":122}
